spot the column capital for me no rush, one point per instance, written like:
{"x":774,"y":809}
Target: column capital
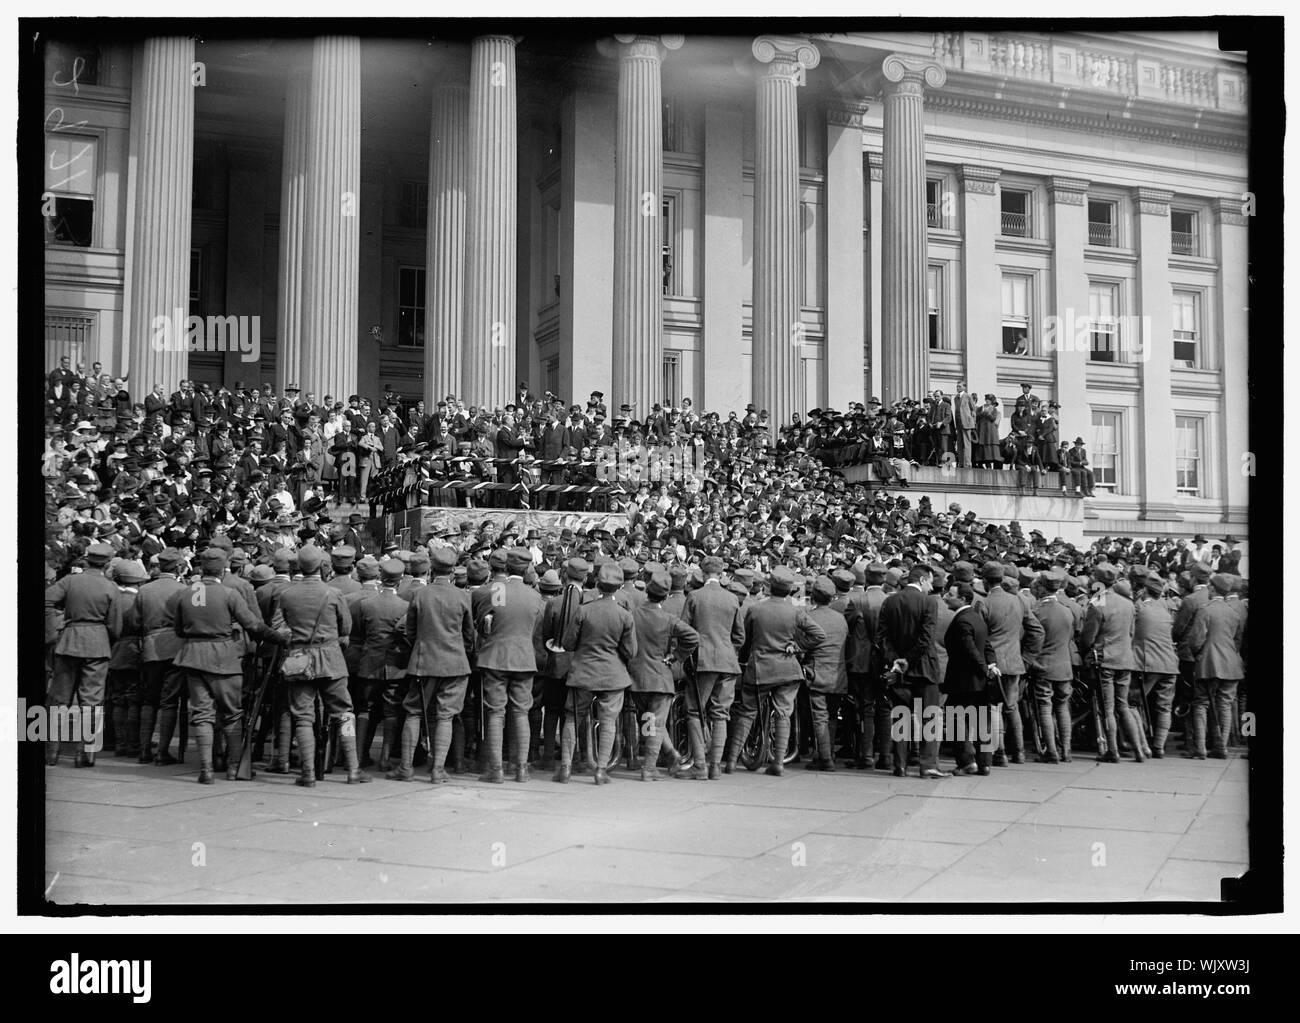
{"x":1068,"y":191}
{"x":633,"y":45}
{"x":980,"y":180}
{"x":876,"y":166}
{"x":777,"y":50}
{"x":1153,"y":201}
{"x":846,"y":112}
{"x":909,"y":74}
{"x":1230,"y":212}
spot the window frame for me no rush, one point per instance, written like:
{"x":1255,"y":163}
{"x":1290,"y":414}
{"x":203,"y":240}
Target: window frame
{"x":668,"y":249}
{"x":1028,"y":195}
{"x":411,"y":205}
{"x":67,"y":195}
{"x":1116,"y":317}
{"x":1198,"y":340}
{"x":1030,"y":339}
{"x":1194,"y":235}
{"x":934,"y":210}
{"x":421,"y":306}
{"x":940,"y":327}
{"x":1097,"y":450}
{"x":1198,"y":457}
{"x":1113,"y":238}
{"x":671,"y":379}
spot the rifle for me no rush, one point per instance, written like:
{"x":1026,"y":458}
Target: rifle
{"x":245,"y":771}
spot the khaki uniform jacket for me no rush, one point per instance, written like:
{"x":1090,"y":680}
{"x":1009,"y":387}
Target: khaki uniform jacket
{"x":715,"y":614}
{"x":1013,"y":630}
{"x":352,"y":655}
{"x":440,"y":628}
{"x":90,"y":611}
{"x":154,"y":601}
{"x":1053,"y":663}
{"x":245,"y":589}
{"x":379,"y":628}
{"x":602,"y":637}
{"x":1195,"y":600}
{"x":1107,"y":637}
{"x":830,"y":673}
{"x":1153,"y":637}
{"x":508,"y":645}
{"x":126,"y":648}
{"x":1215,"y":638}
{"x":297,"y":608}
{"x":208,"y":618}
{"x":657,"y":633}
{"x":770,"y":626}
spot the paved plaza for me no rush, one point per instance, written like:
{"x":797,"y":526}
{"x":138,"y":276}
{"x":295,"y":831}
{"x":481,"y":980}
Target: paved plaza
{"x":126,"y":834}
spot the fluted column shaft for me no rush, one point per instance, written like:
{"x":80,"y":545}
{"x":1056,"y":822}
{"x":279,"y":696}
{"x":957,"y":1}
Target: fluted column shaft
{"x":638,"y":198}
{"x":777,"y":330}
{"x":331,"y":245}
{"x":445,"y":252}
{"x":488,"y":366}
{"x":905,"y":354}
{"x":293,"y":198}
{"x":158,"y":258}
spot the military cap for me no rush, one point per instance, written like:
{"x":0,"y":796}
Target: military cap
{"x":342,"y":557}
{"x":1123,"y":588}
{"x":1105,"y":573}
{"x":391,"y":571}
{"x":213,"y":561}
{"x":442,"y":559}
{"x":824,"y":588}
{"x":875,"y":572}
{"x":629,"y":567}
{"x":842,"y":579}
{"x":609,"y":576}
{"x":169,"y":559}
{"x":782,"y":581}
{"x":420,"y":561}
{"x":1154,"y":584}
{"x":577,"y":569}
{"x":476,"y":571}
{"x":497,"y":560}
{"x":518,"y":560}
{"x":738,"y":588}
{"x":99,"y":553}
{"x":1026,"y":576}
{"x":677,"y":575}
{"x":1200,"y":572}
{"x":659,"y":585}
{"x":310,"y":559}
{"x":129,"y":573}
{"x":1222,"y":582}
{"x":367,"y":569}
{"x":282,"y":560}
{"x":261,"y":574}
{"x":993,"y":571}
{"x":713,"y":565}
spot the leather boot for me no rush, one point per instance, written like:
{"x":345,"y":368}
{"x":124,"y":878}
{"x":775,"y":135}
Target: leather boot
{"x":776,"y":765}
{"x":494,"y":725}
{"x":568,"y":739}
{"x":306,"y":737}
{"x":235,"y":749}
{"x":166,"y":729}
{"x":1064,"y":728}
{"x":825,"y":759}
{"x":1197,"y":719}
{"x":203,"y":741}
{"x":405,"y":771}
{"x":363,"y":747}
{"x":388,"y":742}
{"x":1132,"y":733}
{"x":121,"y":742}
{"x":148,"y":715}
{"x":442,"y":730}
{"x":522,"y":735}
{"x":699,"y":755}
{"x":348,"y":746}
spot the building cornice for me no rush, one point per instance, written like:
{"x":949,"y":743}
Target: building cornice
{"x":1068,"y":191}
{"x":1153,"y":201}
{"x":980,"y":180}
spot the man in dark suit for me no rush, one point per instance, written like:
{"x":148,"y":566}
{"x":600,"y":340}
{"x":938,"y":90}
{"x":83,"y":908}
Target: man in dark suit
{"x":715,"y":614}
{"x":907,"y":624}
{"x":971,"y":679}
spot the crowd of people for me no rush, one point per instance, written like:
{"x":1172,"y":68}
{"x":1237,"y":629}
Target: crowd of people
{"x":193,"y":563}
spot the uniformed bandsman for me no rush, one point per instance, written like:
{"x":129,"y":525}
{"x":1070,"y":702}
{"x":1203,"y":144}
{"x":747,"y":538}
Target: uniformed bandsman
{"x":662,"y":640}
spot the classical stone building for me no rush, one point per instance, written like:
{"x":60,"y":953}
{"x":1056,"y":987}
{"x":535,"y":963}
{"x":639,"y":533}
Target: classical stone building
{"x":793,"y":221}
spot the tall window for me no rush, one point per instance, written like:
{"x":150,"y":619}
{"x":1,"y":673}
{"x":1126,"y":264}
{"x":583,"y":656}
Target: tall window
{"x":551,"y":375}
{"x":196,"y":282}
{"x":1103,"y":321}
{"x":1015,"y":213}
{"x":1187,"y":454}
{"x":410,"y":306}
{"x":672,"y":381}
{"x":1183,"y":234}
{"x":1103,"y":452}
{"x":69,"y":199}
{"x":69,"y":63}
{"x":668,"y":227}
{"x":68,"y":333}
{"x":1187,"y":327}
{"x":1101,"y":223}
{"x":933,"y":299}
{"x":415,"y":204}
{"x":1016,"y":312}
{"x":934,"y":203}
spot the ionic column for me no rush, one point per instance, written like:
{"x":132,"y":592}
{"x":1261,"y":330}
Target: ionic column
{"x":158,"y":255}
{"x":1153,"y":348}
{"x":293,"y":197}
{"x":905,"y":348}
{"x":331,"y":236}
{"x":846,"y":304}
{"x":777,"y":337}
{"x":445,"y":244}
{"x":488,"y":367}
{"x":638,"y":263}
{"x":1233,"y":323}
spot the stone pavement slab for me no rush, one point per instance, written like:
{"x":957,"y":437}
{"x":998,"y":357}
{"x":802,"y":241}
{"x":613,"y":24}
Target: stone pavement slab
{"x":128,"y":834}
